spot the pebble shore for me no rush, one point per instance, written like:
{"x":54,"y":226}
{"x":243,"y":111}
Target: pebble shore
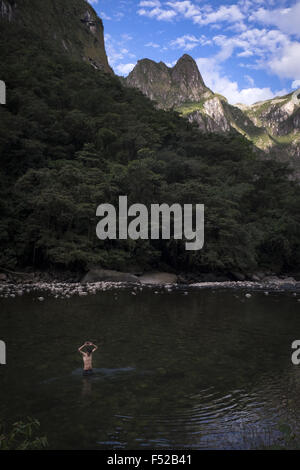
{"x":65,"y":290}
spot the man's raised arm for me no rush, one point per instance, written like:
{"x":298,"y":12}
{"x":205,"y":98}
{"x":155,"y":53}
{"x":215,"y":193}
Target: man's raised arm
{"x":81,"y":347}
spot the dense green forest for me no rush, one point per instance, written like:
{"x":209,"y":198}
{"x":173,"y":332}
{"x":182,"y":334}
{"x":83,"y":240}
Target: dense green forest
{"x":72,"y":137}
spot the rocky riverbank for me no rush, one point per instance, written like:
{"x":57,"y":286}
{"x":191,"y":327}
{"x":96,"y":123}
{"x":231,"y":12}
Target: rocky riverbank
{"x":66,"y":290}
{"x":64,"y":285}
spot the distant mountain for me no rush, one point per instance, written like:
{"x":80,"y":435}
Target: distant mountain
{"x":278,"y":121}
{"x":71,"y":26}
{"x":169,"y":87}
{"x":273,"y":126}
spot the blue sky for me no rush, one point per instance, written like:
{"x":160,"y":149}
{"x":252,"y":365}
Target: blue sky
{"x":247,"y":50}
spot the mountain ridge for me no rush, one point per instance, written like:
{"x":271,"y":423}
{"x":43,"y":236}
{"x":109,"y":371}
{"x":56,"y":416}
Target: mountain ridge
{"x":273,"y":126}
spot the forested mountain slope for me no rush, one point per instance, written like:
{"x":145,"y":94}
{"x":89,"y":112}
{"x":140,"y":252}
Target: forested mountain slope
{"x":73,"y":137}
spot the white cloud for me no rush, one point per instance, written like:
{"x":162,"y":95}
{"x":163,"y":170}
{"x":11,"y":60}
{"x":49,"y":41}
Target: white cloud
{"x":272,"y":49}
{"x":215,"y":79}
{"x":296,"y":84}
{"x":245,"y":54}
{"x":229,"y":14}
{"x":155,"y":11}
{"x":238,"y":27}
{"x":152,"y":44}
{"x":203,"y":15}
{"x":124,"y":69}
{"x":286,"y":19}
{"x":189,"y":42}
{"x":287,"y":63}
{"x":149,"y":4}
{"x":259,"y":42}
{"x":185,"y":8}
{"x":93,"y":1}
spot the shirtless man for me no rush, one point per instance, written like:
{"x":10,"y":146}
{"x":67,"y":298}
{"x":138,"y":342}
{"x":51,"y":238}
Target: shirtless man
{"x":87,"y":356}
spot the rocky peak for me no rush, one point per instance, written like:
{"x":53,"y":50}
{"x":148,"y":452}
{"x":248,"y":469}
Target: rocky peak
{"x":168,"y":86}
{"x":186,"y":71}
{"x":149,"y":66}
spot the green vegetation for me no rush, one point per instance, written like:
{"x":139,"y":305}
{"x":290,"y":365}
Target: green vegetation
{"x":241,"y":122}
{"x":286,"y":139}
{"x":72,"y":138}
{"x":22,"y":436}
{"x":221,"y":97}
{"x":188,"y":108}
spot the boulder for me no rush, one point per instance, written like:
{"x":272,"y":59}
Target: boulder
{"x":158,"y":278}
{"x":99,"y":275}
{"x":3,"y":277}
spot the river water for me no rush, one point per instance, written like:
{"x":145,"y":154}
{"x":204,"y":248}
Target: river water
{"x":185,"y":369}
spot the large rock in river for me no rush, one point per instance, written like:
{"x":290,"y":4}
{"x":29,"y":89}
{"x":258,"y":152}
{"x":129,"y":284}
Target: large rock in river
{"x":98,"y":275}
{"x":158,"y":278}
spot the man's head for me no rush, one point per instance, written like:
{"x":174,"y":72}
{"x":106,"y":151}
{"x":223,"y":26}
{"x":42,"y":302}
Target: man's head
{"x":89,"y":349}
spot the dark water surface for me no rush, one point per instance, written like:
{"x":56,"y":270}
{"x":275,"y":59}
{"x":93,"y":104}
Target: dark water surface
{"x":210,"y":369}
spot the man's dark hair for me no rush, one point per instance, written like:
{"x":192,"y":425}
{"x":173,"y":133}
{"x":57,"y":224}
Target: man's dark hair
{"x":89,"y":350}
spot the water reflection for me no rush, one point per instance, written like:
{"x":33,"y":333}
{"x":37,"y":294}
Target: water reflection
{"x":86,"y":386}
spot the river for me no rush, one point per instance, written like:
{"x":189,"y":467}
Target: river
{"x":176,"y":369}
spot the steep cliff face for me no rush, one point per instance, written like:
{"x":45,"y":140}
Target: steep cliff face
{"x":72,"y":26}
{"x":169,"y":87}
{"x":280,"y":115}
{"x":210,"y":113}
{"x":279,"y":123}
{"x":273,"y":126}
